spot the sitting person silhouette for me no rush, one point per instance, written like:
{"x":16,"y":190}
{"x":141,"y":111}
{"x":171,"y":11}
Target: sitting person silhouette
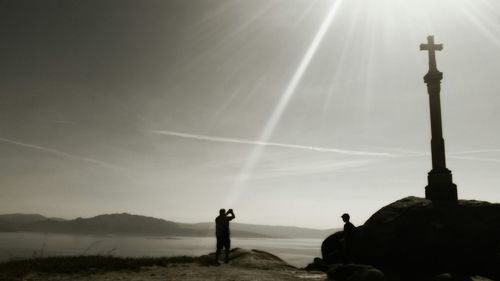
{"x":349,"y":237}
{"x":222,"y":233}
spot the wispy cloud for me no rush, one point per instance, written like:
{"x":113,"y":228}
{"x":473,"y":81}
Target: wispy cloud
{"x":462,"y":155}
{"x":62,"y":153}
{"x":316,"y":167}
{"x":56,"y":121}
{"x":399,"y":151}
{"x":271,"y":144}
{"x":476,"y":159}
{"x":475,"y":151}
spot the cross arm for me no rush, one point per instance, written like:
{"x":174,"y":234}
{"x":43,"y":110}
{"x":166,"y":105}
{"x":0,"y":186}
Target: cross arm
{"x":427,"y":47}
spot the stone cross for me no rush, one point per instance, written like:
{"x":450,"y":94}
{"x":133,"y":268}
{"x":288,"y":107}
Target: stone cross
{"x":440,"y":188}
{"x":432,"y":48}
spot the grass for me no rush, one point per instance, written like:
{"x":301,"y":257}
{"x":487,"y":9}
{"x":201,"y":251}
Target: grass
{"x":16,"y":269}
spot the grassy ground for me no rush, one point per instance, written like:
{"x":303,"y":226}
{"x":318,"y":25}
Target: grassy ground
{"x":15,"y":270}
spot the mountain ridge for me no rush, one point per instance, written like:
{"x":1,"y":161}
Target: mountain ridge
{"x":130,"y":224}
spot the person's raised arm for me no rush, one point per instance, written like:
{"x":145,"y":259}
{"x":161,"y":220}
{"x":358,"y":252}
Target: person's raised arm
{"x":230,"y":212}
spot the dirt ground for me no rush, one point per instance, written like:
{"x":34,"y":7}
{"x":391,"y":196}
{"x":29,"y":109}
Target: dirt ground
{"x":194,"y":272}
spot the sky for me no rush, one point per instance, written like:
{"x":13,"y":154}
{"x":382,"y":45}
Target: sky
{"x":291,"y":112}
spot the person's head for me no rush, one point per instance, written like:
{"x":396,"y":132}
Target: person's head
{"x":222,"y":212}
{"x":345,"y":217}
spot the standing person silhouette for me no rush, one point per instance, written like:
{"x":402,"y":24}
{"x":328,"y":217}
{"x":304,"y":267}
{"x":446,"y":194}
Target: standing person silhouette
{"x":349,"y":237}
{"x":222,"y":233}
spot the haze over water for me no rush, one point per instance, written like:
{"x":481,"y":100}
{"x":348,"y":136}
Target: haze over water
{"x":298,"y":252}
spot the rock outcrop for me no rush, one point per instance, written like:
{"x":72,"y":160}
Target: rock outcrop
{"x":413,"y":235}
{"x":331,"y":248}
{"x":355,"y":272}
{"x":253,"y":259}
{"x":412,"y":232}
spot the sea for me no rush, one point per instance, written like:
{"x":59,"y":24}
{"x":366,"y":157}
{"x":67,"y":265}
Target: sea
{"x":22,"y":245}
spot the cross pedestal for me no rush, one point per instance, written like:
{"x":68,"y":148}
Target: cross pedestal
{"x":440,"y":188}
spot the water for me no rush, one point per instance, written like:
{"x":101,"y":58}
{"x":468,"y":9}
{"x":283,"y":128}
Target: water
{"x":298,"y":252}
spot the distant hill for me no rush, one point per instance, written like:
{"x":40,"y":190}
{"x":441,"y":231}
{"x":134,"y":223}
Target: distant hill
{"x":127,"y":224}
{"x":268,"y":230}
{"x":21,"y":218}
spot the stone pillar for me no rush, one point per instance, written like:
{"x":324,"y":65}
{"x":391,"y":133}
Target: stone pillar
{"x":440,"y":188}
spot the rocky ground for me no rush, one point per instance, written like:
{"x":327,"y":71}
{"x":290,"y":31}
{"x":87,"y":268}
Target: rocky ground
{"x":187,"y":271}
{"x":244,"y":265}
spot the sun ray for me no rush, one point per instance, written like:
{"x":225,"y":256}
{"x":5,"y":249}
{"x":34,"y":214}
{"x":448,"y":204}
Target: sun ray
{"x":253,"y":159}
{"x":342,"y":61}
{"x":483,"y":23}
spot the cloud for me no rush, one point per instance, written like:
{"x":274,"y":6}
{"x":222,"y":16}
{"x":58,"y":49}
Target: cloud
{"x":61,"y":122}
{"x":461,"y":155}
{"x":475,"y":159}
{"x":62,"y":153}
{"x":271,"y":144}
{"x":475,"y":151}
